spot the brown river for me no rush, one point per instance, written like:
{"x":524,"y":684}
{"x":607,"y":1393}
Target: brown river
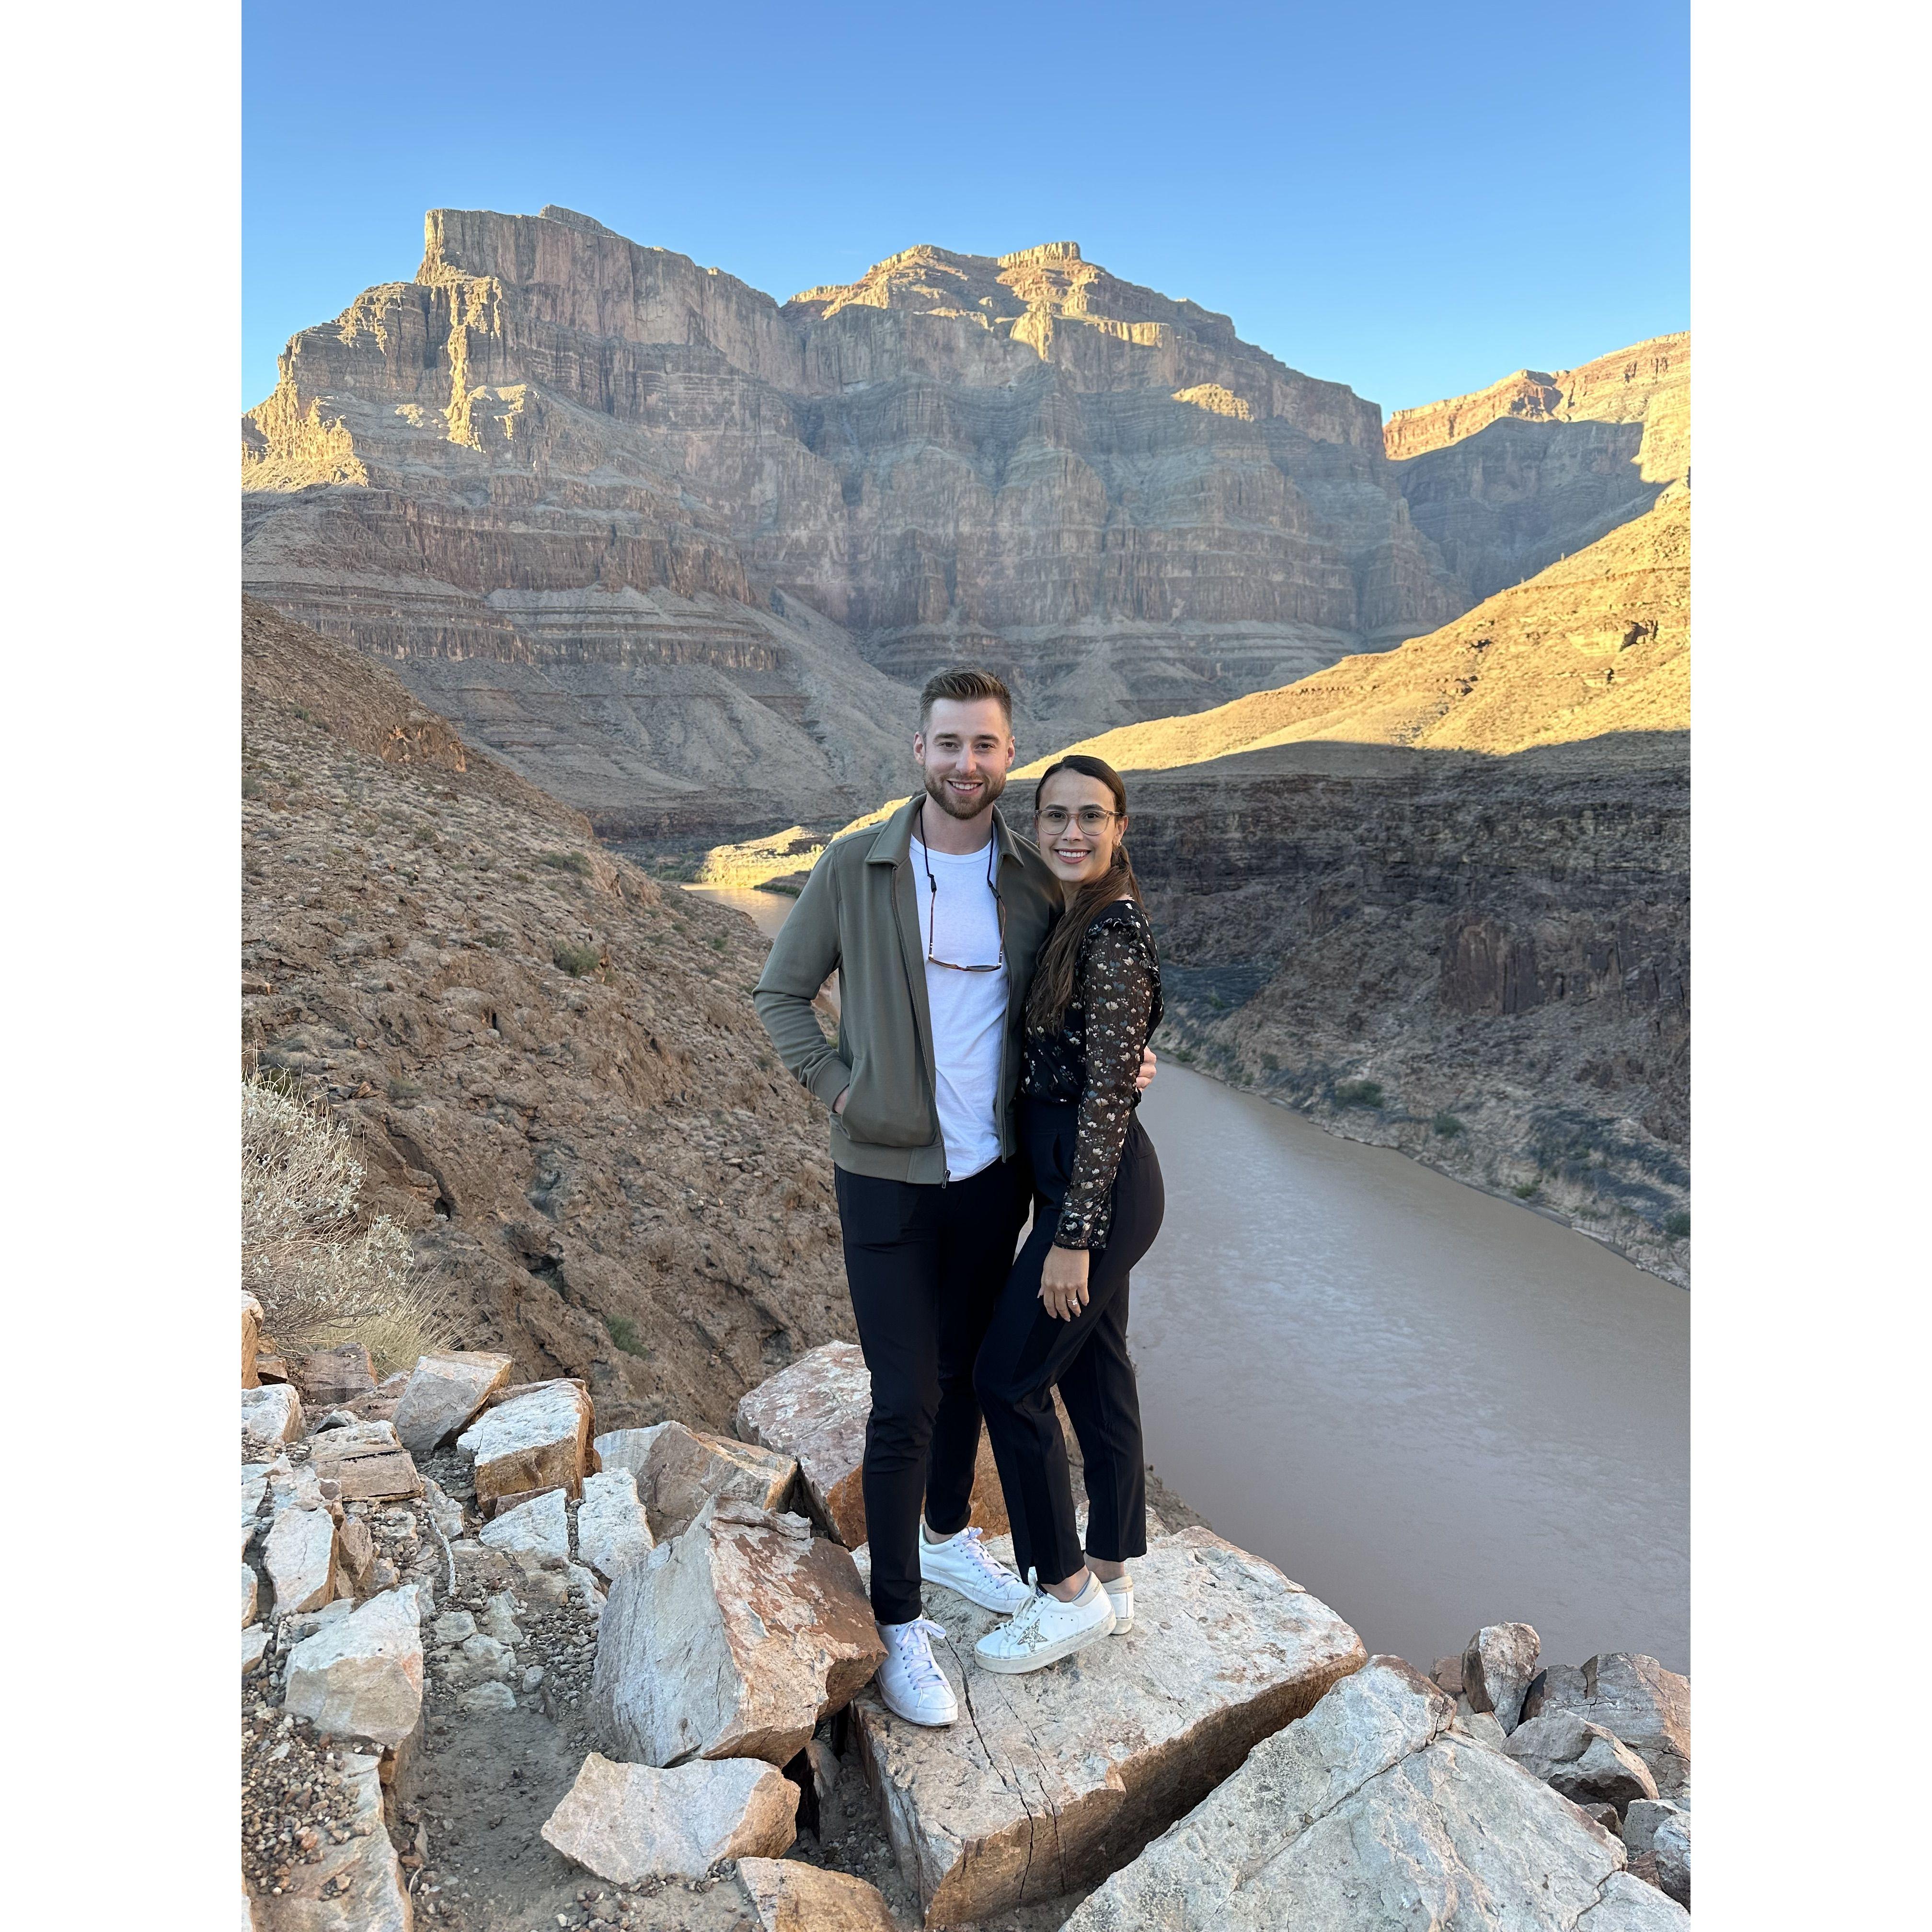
{"x":1434,"y":1408}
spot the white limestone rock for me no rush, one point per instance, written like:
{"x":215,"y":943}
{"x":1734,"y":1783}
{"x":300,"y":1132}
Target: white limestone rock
{"x":485,"y":1697}
{"x":1588,"y":1764}
{"x":299,"y":1556}
{"x":612,"y":1532}
{"x":363,"y":1674}
{"x":628,"y":1822}
{"x":1670,"y":1845}
{"x":538,"y":1528}
{"x":1633,"y":1697}
{"x":249,"y":1584}
{"x":270,"y":1417}
{"x":538,"y":1439}
{"x":444,"y":1393}
{"x":788,"y":1895}
{"x":733,"y":1640}
{"x":1110,"y":1745}
{"x":1498,"y":1664}
{"x":679,"y":1470}
{"x":1370,"y":1814}
{"x":254,"y":1645}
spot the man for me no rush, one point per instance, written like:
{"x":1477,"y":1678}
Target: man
{"x":933,"y":921}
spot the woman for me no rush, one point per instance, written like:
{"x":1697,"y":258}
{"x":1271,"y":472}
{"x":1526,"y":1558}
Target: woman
{"x":1098,"y":1200}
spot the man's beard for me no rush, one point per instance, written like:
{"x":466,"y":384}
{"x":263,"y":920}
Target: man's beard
{"x":993,"y":782}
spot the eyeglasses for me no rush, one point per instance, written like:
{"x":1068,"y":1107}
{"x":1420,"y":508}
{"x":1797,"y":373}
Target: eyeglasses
{"x":932,"y":906}
{"x":1091,"y":817}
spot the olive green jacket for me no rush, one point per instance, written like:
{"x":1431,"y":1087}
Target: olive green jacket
{"x":858,"y":914}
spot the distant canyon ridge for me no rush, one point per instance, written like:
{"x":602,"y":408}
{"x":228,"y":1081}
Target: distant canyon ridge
{"x":680,"y":553}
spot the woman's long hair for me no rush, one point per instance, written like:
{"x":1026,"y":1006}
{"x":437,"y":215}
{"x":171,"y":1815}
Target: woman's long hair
{"x":1053,"y":978}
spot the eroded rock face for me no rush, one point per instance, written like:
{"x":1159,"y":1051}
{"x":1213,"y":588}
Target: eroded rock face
{"x":443,"y":1394}
{"x":679,"y":1470}
{"x":732,"y":1641}
{"x":815,"y":1410}
{"x":366,"y":1462}
{"x":535,"y":1441}
{"x":628,"y":1822}
{"x":251,"y":1340}
{"x":362,"y":1674}
{"x":1051,"y":1780}
{"x":1368,"y":1812}
{"x":270,"y":1417}
{"x":1498,"y":1664}
{"x":789,"y":1897}
{"x":1645,"y":1705}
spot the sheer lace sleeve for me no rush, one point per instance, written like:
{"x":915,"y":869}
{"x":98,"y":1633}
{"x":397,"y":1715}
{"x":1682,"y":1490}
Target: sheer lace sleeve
{"x":1119,"y":987}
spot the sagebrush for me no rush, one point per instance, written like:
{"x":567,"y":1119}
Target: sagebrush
{"x":323,"y":1272}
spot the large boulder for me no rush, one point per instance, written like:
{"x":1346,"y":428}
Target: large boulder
{"x":1588,"y":1764}
{"x":787,"y":1896}
{"x":1498,"y":1664}
{"x":733,"y":1640}
{"x":1656,"y":1829}
{"x":355,"y":1886}
{"x":1645,"y":1705}
{"x":539,"y":1528}
{"x":612,"y":1530}
{"x":628,"y":1822}
{"x":270,"y":1417}
{"x":1054,"y":1779}
{"x":444,"y":1393}
{"x":536,"y":1439}
{"x":679,"y":1470}
{"x":362,"y":1675}
{"x":816,"y":1409}
{"x":1371,"y":1814}
{"x":299,"y":1556}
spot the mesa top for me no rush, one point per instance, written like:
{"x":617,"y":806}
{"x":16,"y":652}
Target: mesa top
{"x":969,"y":1009}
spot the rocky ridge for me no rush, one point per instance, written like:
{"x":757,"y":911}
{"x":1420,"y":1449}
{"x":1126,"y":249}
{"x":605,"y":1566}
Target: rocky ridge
{"x":436,"y":1735}
{"x":677,"y":551}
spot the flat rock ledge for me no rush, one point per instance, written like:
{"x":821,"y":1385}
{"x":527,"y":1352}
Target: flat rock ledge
{"x":1371,"y":1814}
{"x":1053,"y":1780}
{"x":354,"y":1887}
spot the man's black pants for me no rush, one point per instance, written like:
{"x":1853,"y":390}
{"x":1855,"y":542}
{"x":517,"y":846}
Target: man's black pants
{"x":925,"y":1265}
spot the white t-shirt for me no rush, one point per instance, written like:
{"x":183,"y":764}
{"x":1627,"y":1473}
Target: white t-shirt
{"x":969,"y":1009}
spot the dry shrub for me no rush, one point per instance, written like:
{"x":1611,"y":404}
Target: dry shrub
{"x":322,"y":1275}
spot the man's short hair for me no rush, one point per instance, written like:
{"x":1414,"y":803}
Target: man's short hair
{"x":966,"y":684}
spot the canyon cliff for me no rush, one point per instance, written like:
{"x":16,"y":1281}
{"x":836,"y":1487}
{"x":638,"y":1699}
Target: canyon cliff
{"x":680,"y":553}
{"x":1439,"y":898}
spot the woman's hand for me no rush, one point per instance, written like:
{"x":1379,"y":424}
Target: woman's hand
{"x":1062,"y":1282}
{"x":838,"y":1105}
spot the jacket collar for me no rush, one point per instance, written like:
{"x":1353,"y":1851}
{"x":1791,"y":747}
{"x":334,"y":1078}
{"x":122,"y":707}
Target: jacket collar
{"x":893,"y":845}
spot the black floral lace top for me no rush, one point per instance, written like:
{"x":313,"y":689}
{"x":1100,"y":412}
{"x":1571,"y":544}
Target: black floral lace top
{"x":1094,"y":1059}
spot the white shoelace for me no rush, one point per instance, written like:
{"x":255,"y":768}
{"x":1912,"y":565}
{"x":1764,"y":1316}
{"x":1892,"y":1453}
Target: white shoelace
{"x":970,"y":1547}
{"x":912,"y":1643}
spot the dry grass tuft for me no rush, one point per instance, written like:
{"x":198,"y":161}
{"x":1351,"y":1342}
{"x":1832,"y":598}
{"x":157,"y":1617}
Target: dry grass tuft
{"x":322,"y":1278}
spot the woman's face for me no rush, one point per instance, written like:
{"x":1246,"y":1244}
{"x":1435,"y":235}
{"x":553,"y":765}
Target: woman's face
{"x":1075,"y":852}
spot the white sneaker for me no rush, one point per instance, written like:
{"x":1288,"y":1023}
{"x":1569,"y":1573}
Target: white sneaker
{"x":912,"y":1684}
{"x":1120,"y":1595}
{"x":1046,"y":1631}
{"x":961,"y":1563}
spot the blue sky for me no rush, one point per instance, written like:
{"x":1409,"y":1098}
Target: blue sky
{"x":1412,"y":199}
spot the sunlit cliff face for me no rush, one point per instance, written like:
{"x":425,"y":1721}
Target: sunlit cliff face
{"x":1075,"y":851}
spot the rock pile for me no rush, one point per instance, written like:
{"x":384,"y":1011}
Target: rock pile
{"x":541,"y":1659}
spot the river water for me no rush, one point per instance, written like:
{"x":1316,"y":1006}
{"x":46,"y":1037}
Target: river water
{"x":1434,"y":1408}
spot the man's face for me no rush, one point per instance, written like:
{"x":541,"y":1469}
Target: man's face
{"x":965,"y":751}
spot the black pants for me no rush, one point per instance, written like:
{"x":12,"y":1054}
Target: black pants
{"x":1026,"y":1352}
{"x":925,"y":1265}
